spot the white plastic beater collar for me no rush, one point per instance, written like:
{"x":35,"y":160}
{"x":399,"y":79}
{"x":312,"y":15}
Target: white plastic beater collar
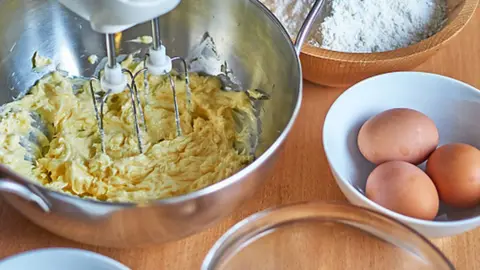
{"x":113,"y":79}
{"x":159,"y":63}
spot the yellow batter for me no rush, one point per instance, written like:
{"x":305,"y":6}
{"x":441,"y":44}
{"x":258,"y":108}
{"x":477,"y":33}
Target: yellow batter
{"x":72,"y":160}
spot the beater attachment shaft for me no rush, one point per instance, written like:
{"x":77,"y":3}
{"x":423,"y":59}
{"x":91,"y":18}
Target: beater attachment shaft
{"x":157,"y":62}
{"x":114,"y":81}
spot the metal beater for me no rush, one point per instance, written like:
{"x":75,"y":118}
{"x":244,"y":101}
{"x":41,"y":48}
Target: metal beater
{"x":124,"y":14}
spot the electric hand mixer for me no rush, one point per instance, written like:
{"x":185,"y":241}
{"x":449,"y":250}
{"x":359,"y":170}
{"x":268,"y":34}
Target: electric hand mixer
{"x":113,"y":16}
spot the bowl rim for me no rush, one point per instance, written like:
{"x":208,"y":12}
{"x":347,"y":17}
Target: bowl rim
{"x":234,"y":234}
{"x":86,"y":254}
{"x":361,"y":196}
{"x":447,"y":33}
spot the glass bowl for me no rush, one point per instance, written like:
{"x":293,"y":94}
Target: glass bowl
{"x":319,"y":236}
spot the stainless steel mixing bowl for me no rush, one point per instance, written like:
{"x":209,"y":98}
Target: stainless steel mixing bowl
{"x":247,"y":37}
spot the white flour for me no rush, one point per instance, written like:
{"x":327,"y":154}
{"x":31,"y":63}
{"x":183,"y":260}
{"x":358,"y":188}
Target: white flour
{"x":364,"y":25}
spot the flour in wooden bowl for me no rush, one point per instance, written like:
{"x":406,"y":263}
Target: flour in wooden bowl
{"x":365,"y":26}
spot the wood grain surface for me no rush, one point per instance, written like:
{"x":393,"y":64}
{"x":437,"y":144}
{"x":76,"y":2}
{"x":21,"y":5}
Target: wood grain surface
{"x":302,"y":174}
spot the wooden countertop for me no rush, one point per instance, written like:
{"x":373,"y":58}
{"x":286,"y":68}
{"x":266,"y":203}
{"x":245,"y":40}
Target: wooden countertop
{"x":302,"y":174}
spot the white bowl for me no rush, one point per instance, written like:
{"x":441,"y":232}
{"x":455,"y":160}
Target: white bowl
{"x":453,"y":106}
{"x":60,"y":259}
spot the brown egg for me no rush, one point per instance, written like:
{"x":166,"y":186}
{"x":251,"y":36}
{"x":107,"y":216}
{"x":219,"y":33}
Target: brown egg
{"x":403,"y":188}
{"x":398,"y":134}
{"x":455,"y":171}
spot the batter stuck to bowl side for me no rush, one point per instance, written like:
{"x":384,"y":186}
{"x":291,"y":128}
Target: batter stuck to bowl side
{"x":70,"y":160}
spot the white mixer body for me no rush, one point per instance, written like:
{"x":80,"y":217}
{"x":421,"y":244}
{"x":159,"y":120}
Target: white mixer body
{"x":112,"y":16}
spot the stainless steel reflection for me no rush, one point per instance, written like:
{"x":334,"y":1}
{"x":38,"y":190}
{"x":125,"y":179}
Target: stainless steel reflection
{"x":248,"y":39}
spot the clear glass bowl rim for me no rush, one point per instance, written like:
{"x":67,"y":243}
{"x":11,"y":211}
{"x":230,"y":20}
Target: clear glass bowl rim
{"x":248,"y":229}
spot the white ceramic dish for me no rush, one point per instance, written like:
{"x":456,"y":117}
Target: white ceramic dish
{"x":60,"y":259}
{"x":453,"y":106}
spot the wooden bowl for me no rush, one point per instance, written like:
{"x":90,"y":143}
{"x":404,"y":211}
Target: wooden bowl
{"x":332,"y":68}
